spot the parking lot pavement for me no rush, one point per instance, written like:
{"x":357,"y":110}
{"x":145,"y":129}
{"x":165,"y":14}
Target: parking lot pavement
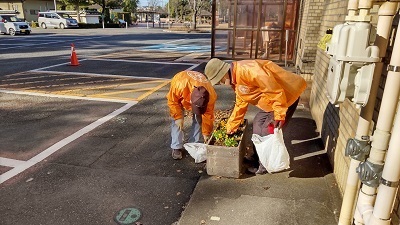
{"x":95,"y":168}
{"x":89,"y":144}
{"x":123,"y":79}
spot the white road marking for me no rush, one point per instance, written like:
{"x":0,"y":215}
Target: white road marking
{"x":57,"y":146}
{"x":96,"y":74}
{"x":67,"y":96}
{"x":47,"y":67}
{"x":10,"y":162}
{"x":191,"y":56}
{"x":143,"y":62}
{"x":52,"y":42}
{"x":192,"y":67}
{"x":175,"y":41}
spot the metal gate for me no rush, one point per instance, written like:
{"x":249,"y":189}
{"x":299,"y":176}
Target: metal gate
{"x":254,"y":29}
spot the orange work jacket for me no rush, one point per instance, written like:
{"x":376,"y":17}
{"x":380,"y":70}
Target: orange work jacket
{"x":182,"y":85}
{"x":264,"y":84}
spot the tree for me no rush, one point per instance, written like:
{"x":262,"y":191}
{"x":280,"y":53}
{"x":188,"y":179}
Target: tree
{"x":153,"y":4}
{"x":197,"y":6}
{"x":76,"y":4}
{"x":127,"y":5}
{"x":130,"y":5}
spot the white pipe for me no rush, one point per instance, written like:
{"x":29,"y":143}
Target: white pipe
{"x":366,"y":199}
{"x":363,"y":14}
{"x":391,"y":172}
{"x":386,"y":12}
{"x":350,"y":194}
{"x":365,"y":202}
{"x":381,"y":136}
{"x":352,"y":7}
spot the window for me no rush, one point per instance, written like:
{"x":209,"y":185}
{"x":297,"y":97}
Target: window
{"x":34,"y":12}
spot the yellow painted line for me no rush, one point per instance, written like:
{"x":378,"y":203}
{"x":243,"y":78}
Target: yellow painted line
{"x":16,"y":74}
{"x":105,"y":95}
{"x":45,"y":81}
{"x":154,"y":90}
{"x":109,"y":86}
{"x":122,"y":92}
{"x":110,"y":97}
{"x":31,"y":91}
{"x":26,"y":78}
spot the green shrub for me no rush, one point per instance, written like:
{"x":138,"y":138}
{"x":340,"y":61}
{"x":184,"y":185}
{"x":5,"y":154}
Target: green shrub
{"x":97,"y":25}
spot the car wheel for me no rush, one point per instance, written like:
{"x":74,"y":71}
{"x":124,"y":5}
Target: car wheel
{"x":27,"y":32}
{"x":44,"y":26}
{"x":62,"y":26}
{"x":11,"y":32}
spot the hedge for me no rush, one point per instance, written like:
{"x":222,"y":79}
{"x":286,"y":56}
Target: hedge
{"x":84,"y":25}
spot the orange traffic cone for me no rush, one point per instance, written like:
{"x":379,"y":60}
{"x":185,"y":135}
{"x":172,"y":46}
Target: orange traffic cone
{"x":74,"y":58}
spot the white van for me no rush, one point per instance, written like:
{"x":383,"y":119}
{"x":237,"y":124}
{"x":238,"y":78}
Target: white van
{"x":10,"y":24}
{"x":56,"y":19}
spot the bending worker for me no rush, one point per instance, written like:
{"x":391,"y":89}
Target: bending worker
{"x":261,"y":83}
{"x":190,"y":90}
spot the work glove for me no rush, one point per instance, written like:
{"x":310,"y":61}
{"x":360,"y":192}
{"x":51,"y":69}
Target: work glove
{"x":179,"y":123}
{"x":279,"y":124}
{"x":206,"y":138}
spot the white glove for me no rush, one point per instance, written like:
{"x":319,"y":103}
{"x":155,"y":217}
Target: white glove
{"x":179,"y":123}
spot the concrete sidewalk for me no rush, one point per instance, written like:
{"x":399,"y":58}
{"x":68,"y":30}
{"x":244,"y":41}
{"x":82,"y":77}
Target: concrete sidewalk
{"x":305,"y":194}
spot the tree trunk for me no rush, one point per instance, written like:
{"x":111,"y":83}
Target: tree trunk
{"x":103,"y":7}
{"x":77,"y":12}
{"x":194,"y":14}
{"x":195,"y":19}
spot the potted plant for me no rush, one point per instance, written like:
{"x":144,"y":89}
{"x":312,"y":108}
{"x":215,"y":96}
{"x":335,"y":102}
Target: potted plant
{"x":225,"y":152}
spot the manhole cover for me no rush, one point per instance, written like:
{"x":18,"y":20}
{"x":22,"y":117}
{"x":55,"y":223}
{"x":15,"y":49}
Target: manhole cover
{"x":127,"y":216}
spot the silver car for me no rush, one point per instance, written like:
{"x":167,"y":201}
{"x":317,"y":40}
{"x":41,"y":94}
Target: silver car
{"x":10,"y":24}
{"x":56,"y":20}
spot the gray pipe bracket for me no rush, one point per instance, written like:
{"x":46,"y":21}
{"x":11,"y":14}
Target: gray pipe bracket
{"x":393,"y":68}
{"x":370,"y":174}
{"x":358,"y":149}
{"x":391,"y":184}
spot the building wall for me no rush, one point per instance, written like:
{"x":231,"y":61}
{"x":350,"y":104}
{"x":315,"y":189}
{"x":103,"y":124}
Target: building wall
{"x":336,"y":123}
{"x":13,"y":5}
{"x":29,"y":9}
{"x":310,"y":21}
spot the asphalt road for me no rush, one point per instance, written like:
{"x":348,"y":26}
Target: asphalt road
{"x":90,"y":144}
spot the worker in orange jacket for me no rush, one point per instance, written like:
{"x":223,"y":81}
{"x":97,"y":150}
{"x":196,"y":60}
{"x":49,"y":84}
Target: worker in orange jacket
{"x":190,"y":90}
{"x":261,"y":83}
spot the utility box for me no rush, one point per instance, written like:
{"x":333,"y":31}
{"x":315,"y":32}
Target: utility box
{"x":227,"y":161}
{"x":352,"y":62}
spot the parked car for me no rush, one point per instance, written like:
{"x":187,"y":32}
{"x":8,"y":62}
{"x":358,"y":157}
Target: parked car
{"x":10,"y":24}
{"x":122,"y":23}
{"x":56,"y":20}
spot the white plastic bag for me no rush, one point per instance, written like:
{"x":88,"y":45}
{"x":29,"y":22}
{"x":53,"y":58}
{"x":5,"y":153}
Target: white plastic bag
{"x":197,"y":150}
{"x":272,"y":151}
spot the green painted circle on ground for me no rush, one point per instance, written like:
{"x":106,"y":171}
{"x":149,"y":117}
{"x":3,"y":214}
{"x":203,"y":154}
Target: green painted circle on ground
{"x":127,"y":216}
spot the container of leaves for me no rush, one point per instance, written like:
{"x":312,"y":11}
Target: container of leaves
{"x":225,"y":152}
